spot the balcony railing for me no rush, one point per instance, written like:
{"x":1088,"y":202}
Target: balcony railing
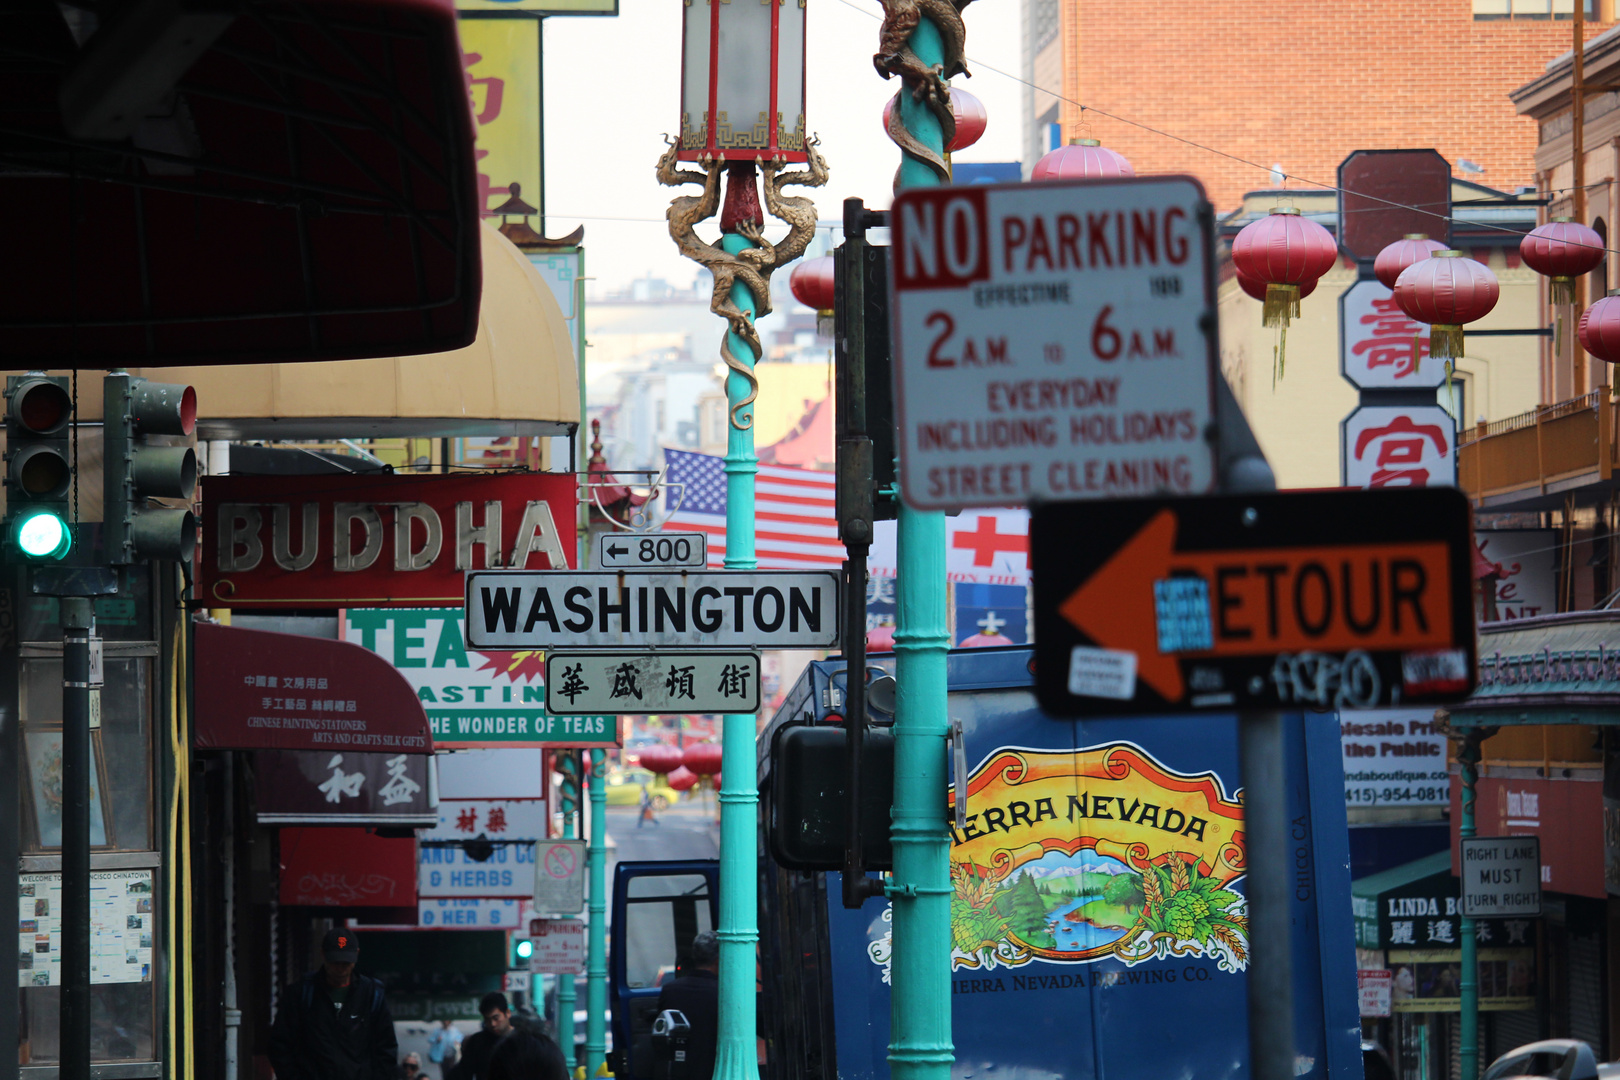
{"x":1549,"y":450}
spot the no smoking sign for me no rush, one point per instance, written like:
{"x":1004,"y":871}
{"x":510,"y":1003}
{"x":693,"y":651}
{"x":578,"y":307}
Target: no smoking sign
{"x":559,"y":877}
{"x":1054,"y":340}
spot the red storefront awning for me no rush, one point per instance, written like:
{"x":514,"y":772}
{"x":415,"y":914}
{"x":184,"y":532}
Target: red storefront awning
{"x":258,"y":690}
{"x":347,"y":868}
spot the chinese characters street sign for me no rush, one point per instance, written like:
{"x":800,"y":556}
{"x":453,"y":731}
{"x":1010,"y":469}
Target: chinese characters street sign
{"x":1501,"y":877}
{"x":652,"y":682}
{"x":1380,"y":348}
{"x":1327,"y":600}
{"x":1399,"y":446}
{"x":605,"y":609}
{"x":474,"y":699}
{"x":559,"y":877}
{"x":1053,"y":341}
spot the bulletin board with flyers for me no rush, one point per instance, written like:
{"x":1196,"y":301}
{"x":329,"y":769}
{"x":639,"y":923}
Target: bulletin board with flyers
{"x":123,"y":927}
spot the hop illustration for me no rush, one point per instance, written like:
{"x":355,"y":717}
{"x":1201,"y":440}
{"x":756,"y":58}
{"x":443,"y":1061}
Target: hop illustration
{"x":1187,"y":915}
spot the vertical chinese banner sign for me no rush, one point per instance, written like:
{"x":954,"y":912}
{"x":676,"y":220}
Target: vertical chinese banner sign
{"x":501,"y":60}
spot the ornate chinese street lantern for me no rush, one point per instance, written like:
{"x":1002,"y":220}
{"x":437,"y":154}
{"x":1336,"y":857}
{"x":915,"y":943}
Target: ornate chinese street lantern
{"x":1563,"y":250}
{"x":661,"y":759}
{"x":1082,"y":159}
{"x":702,"y":758}
{"x":682,"y":779}
{"x":1446,"y":291}
{"x":971,"y":120}
{"x":1286,"y":252}
{"x":742,"y":81}
{"x":812,"y":283}
{"x":1396,"y":257}
{"x":1600,"y":329}
{"x":1257,"y":289}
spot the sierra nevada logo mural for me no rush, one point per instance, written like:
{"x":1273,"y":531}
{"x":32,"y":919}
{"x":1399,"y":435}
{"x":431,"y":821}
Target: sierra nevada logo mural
{"x":1091,"y":854}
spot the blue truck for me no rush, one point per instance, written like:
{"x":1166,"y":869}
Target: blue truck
{"x":1099,"y":929}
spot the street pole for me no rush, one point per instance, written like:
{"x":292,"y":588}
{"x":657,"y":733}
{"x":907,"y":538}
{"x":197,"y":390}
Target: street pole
{"x":1468,"y":755}
{"x":736,"y":1057}
{"x":596,"y":957}
{"x":920,"y":1045}
{"x":75,"y":1000}
{"x":565,"y":982}
{"x":1268,"y":891}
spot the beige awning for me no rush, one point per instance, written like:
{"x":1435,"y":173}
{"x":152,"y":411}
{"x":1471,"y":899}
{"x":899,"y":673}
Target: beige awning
{"x":518,"y":377}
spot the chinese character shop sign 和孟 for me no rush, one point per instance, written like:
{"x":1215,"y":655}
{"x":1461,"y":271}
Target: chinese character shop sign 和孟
{"x":376,"y":541}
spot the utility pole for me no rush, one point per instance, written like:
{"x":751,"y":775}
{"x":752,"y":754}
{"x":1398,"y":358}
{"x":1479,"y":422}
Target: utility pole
{"x":920,"y":1045}
{"x":74,"y":1040}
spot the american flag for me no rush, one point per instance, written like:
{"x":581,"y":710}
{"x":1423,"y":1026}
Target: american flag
{"x":794,"y":517}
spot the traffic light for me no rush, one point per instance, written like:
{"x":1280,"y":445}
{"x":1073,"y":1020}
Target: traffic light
{"x":522,"y":949}
{"x":137,"y":469}
{"x":38,"y":471}
{"x":567,"y":766}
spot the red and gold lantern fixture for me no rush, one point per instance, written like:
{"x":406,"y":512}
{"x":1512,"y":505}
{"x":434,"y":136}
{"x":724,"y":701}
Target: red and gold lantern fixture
{"x":1396,"y":257}
{"x":812,"y":283}
{"x":1600,"y":329}
{"x":1285,"y":251}
{"x":702,"y":758}
{"x":742,"y":81}
{"x":1563,"y":250}
{"x":1082,"y":159}
{"x":1446,"y":291}
{"x":1257,"y":289}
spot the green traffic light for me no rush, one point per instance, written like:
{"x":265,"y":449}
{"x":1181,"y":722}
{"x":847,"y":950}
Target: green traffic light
{"x":42,"y":534}
{"x":525,"y":949}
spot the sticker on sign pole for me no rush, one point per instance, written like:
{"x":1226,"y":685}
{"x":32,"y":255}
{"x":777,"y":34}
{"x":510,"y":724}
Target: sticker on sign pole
{"x":1054,"y":341}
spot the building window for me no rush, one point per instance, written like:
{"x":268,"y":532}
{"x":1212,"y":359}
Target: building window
{"x":1530,"y":9}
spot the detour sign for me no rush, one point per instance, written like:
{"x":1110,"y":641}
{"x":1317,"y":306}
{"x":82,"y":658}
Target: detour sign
{"x":1326,"y":600}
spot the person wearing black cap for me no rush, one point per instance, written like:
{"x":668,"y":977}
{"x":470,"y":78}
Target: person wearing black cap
{"x":334,"y":1024}
{"x":695,"y":992}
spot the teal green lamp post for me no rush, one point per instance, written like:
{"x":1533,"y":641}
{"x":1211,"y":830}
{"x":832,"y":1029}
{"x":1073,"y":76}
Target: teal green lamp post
{"x":742,"y":117}
{"x":596,"y":949}
{"x":925,"y":54}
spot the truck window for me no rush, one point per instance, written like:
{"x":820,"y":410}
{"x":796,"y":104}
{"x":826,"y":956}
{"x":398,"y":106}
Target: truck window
{"x":662,"y":916}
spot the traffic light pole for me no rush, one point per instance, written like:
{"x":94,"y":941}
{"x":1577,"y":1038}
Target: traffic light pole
{"x":75,"y":913}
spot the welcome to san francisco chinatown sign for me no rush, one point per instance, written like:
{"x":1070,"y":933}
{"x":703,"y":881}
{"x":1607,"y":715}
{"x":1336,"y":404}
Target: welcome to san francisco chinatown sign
{"x":1054,"y":340}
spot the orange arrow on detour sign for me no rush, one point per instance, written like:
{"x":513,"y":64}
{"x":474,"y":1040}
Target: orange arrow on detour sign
{"x":1260,"y":601}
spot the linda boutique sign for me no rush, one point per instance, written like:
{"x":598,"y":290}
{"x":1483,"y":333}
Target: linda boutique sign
{"x":397,"y":541}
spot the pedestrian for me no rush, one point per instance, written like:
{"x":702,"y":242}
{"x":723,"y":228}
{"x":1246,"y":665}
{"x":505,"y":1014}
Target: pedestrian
{"x":527,"y":1056}
{"x":646,"y":809}
{"x":695,"y":992}
{"x":334,"y":1024}
{"x":410,"y":1068}
{"x":477,"y":1050}
{"x":444,"y":1047}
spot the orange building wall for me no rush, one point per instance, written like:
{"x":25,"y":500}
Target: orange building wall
{"x":1304,"y":84}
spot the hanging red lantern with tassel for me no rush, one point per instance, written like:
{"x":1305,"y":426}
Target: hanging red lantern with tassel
{"x":1285,"y":252}
{"x":1082,"y":159}
{"x":1257,"y":289}
{"x":1563,"y":250}
{"x":1446,"y":291}
{"x":1600,"y":329}
{"x":1396,"y":257}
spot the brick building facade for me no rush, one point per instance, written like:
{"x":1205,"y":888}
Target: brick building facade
{"x":1295,"y":84}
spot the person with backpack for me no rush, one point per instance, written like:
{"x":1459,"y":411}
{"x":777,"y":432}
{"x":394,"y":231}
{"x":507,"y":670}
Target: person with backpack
{"x":334,"y":1024}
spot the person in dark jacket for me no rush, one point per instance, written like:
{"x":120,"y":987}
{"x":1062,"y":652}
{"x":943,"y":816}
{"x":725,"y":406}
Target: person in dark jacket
{"x":476,"y":1051}
{"x":334,"y":1024}
{"x":527,"y":1056}
{"x":696,"y":993}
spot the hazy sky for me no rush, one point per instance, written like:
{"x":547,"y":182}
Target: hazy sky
{"x":612,"y":89}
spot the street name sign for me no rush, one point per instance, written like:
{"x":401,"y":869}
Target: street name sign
{"x":1054,"y":340}
{"x":634,"y":610}
{"x":559,"y":877}
{"x":1501,"y":877}
{"x":649,"y":551}
{"x":652,"y":682}
{"x":1321,"y":600}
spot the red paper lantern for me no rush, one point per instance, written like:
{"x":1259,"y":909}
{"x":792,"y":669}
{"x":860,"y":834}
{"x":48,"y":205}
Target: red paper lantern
{"x":1446,"y":291}
{"x":1401,"y":254}
{"x":1257,"y":289}
{"x":812,"y":283}
{"x":1562,"y":250}
{"x":1082,"y":159}
{"x":971,"y":119}
{"x":682,"y":779}
{"x":702,"y":758}
{"x":661,"y":759}
{"x":1600,"y":329}
{"x":1284,"y":250}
